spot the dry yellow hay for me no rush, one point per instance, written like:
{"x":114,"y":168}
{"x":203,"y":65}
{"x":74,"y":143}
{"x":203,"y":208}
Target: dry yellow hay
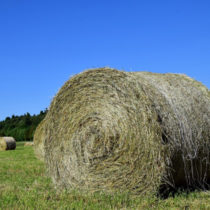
{"x":141,"y":132}
{"x":7,"y":143}
{"x":39,"y":140}
{"x":28,"y":144}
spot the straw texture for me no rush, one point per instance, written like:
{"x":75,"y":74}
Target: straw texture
{"x":39,"y":140}
{"x":141,"y":132}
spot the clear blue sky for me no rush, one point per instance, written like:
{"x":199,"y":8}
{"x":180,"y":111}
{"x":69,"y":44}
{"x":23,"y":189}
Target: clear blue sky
{"x":43,"y":43}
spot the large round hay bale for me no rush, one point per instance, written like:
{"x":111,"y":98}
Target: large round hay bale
{"x":38,"y":140}
{"x":183,"y":109}
{"x":142,"y":132}
{"x":7,"y":143}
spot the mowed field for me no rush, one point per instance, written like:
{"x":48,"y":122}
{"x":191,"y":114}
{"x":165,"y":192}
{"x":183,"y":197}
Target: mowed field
{"x":24,"y":185}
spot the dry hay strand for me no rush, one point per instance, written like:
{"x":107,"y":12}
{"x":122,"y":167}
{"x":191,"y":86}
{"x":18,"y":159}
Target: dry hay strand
{"x":7,"y":143}
{"x":38,"y":140}
{"x":110,"y":130}
{"x":29,"y":144}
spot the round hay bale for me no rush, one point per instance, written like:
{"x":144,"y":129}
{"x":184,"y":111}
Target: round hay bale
{"x":29,"y":144}
{"x":141,"y":132}
{"x":7,"y":143}
{"x":183,"y":109}
{"x":38,"y":140}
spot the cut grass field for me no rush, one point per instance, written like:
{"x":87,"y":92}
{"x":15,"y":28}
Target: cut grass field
{"x":25,"y":185}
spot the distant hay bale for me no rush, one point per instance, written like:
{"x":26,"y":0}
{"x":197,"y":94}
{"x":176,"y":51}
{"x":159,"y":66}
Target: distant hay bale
{"x":29,"y":144}
{"x":141,"y":132}
{"x":7,"y":143}
{"x":39,"y":140}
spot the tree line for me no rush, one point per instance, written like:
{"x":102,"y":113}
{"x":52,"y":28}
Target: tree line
{"x":22,"y":127}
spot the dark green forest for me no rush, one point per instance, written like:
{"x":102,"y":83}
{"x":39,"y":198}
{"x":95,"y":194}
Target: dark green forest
{"x":22,"y":127}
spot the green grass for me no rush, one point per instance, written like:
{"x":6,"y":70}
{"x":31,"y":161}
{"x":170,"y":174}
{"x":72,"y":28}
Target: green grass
{"x":24,"y":185}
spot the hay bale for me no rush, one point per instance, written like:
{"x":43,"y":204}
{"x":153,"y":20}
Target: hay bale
{"x":183,"y":109}
{"x":39,"y":140}
{"x":29,"y":144}
{"x":142,"y":132}
{"x":7,"y":143}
